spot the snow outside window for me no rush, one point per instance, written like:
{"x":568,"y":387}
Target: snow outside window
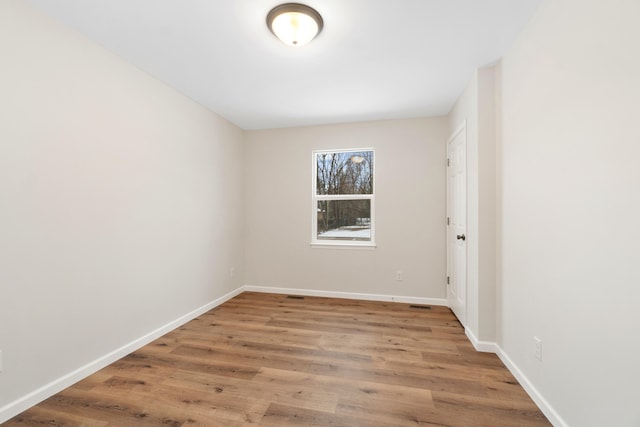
{"x":343,"y":197}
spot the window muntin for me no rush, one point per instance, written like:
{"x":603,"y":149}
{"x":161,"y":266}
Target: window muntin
{"x":343,"y":197}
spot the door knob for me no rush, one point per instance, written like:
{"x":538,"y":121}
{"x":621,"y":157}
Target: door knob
{"x":461,"y":237}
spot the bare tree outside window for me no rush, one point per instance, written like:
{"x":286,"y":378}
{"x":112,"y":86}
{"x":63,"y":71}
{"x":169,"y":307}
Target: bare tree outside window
{"x":344,"y":195}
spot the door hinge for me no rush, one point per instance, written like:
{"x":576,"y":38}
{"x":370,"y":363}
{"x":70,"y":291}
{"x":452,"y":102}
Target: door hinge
{"x":448,"y":221}
{"x":448,"y":280}
{"x":448,"y":162}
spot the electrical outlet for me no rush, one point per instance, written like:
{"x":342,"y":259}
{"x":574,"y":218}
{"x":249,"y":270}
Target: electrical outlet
{"x":399,"y":276}
{"x":232,"y":271}
{"x":537,"y":348}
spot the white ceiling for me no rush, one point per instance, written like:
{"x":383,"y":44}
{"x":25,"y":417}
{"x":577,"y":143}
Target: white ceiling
{"x":375,"y":59}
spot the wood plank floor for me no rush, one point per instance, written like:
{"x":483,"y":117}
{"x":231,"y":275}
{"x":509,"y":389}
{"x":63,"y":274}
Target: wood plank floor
{"x":270,"y":360}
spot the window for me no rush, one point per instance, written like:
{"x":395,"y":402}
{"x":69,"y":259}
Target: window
{"x":343,"y":197}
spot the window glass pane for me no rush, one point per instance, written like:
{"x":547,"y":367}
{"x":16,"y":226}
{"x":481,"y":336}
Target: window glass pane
{"x":344,"y":220}
{"x":348,"y":172}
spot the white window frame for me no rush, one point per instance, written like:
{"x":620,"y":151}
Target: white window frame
{"x":316,"y":198}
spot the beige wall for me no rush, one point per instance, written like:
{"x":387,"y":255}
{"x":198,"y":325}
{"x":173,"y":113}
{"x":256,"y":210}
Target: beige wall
{"x":120,"y":202}
{"x":570,"y":191}
{"x":487,"y":205}
{"x":410,"y":210}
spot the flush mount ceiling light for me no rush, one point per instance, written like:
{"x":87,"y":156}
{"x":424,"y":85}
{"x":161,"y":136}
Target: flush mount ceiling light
{"x":294,"y":24}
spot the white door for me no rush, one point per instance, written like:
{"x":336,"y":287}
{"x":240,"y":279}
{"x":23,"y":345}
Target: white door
{"x":457,"y":223}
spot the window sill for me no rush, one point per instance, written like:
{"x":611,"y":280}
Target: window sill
{"x":344,"y":245}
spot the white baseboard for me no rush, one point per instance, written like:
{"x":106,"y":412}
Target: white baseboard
{"x":534,"y":394}
{"x":346,"y":295}
{"x":551,"y":414}
{"x":484,"y":346}
{"x":16,"y":407}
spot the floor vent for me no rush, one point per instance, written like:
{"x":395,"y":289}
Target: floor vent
{"x":294,"y":297}
{"x":421,"y":307}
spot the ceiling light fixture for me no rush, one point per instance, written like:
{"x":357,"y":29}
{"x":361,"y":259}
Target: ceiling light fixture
{"x":294,"y":24}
